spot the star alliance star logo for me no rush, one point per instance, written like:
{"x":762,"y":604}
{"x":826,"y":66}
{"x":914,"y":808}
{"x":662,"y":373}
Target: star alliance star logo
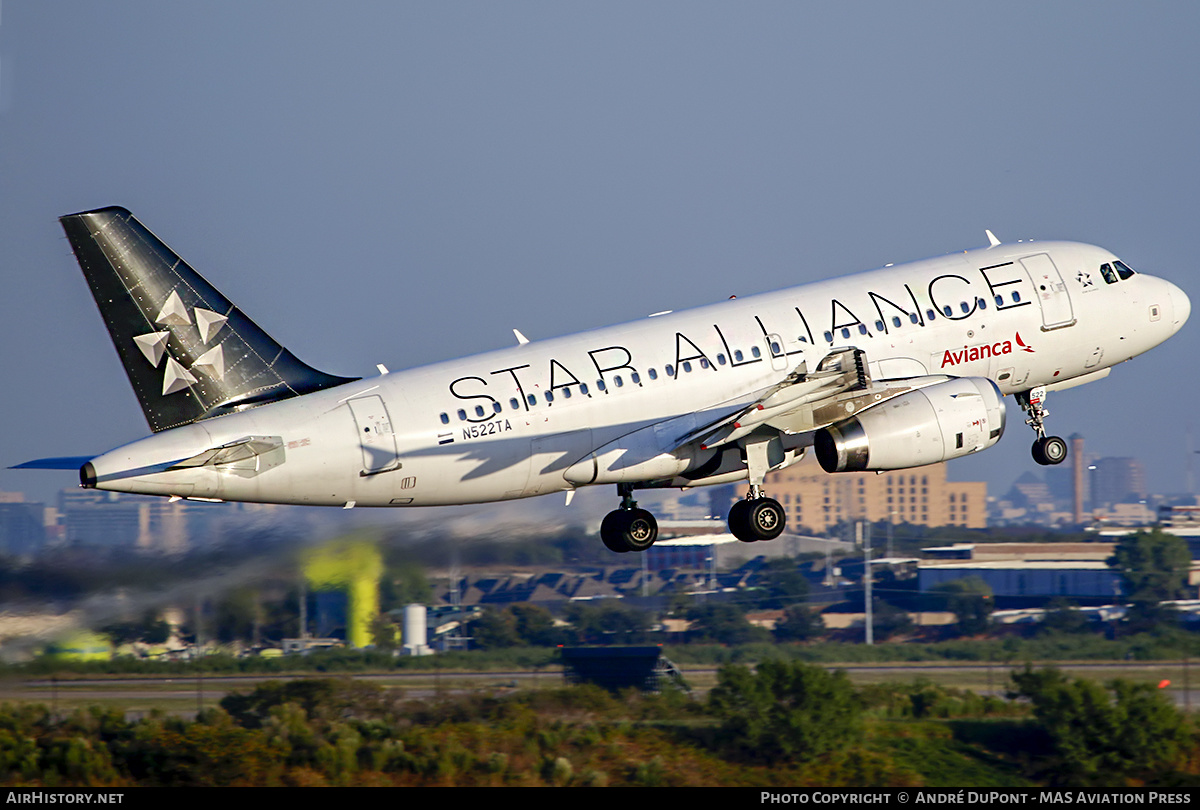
{"x":1084,"y":278}
{"x":153,"y":345}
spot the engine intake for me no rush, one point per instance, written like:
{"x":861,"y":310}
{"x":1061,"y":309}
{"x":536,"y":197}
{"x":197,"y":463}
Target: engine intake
{"x":943,"y":421}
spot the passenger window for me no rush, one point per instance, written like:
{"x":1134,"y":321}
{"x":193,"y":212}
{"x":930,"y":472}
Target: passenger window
{"x":829,"y":337}
{"x":946,"y":310}
{"x":896,"y":321}
{"x":462,"y":415}
{"x":687,"y":366}
{"x":514,"y":403}
{"x":982,"y":304}
{"x":862,"y":328}
{"x":703,"y":362}
{"x":653,"y":374}
{"x":930,"y":315}
{"x":670,"y":370}
{"x":775,"y":349}
{"x":617,"y":380}
{"x":636,"y":378}
{"x":754,"y":351}
{"x":496,"y":407}
{"x":1016,"y":297}
{"x":445,"y":418}
{"x":737,"y":356}
{"x":914,"y":317}
{"x":532,"y":399}
{"x":845,"y":333}
{"x":879,"y":326}
{"x":600,"y":385}
{"x":583,"y":388}
{"x":720,"y":359}
{"x":479,"y":410}
{"x":566,"y":393}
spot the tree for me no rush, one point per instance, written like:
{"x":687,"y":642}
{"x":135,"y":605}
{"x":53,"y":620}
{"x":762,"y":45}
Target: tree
{"x":889,"y":620}
{"x":404,"y":583}
{"x":1063,"y":616}
{"x":495,"y":628}
{"x":238,"y":616}
{"x":1153,"y":566}
{"x":723,"y":624}
{"x":781,"y":585}
{"x":151,"y":629}
{"x":799,"y":624}
{"x":535,"y":625}
{"x":608,"y":623}
{"x":1099,"y":738}
{"x":384,"y":633}
{"x":970,"y":600}
{"x":784,"y":711}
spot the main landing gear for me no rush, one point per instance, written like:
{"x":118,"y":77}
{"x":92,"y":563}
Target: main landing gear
{"x":754,"y":518}
{"x":628,"y":528}
{"x":1046,"y":450}
{"x":757,"y":517}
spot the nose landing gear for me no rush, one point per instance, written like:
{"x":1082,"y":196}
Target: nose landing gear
{"x":1046,"y":450}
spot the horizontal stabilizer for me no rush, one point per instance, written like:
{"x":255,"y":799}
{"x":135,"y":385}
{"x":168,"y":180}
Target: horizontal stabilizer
{"x":188,"y":351}
{"x":61,"y":463}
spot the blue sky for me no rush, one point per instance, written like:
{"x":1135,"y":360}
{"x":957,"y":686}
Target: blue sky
{"x":400,"y":182}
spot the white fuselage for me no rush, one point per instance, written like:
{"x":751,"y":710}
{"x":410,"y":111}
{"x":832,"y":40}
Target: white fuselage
{"x":512,"y":423}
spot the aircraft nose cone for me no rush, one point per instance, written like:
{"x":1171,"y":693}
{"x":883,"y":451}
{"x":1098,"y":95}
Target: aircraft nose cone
{"x":1181,"y":306}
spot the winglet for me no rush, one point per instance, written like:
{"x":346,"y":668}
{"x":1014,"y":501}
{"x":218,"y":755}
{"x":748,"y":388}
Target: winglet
{"x":992,"y":240}
{"x":521,"y":339}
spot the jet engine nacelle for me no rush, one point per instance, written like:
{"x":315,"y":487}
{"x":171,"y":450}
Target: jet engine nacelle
{"x":943,"y":421}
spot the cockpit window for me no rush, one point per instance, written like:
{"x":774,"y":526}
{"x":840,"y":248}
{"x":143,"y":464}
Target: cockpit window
{"x":1109,"y":276}
{"x":1123,"y":270}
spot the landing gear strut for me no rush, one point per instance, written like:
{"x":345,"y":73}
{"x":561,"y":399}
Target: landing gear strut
{"x":1046,"y":450}
{"x":628,"y":528}
{"x":757,"y":517}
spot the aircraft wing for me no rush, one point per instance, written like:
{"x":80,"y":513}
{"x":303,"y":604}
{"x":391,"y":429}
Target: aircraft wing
{"x":841,"y":370}
{"x":805,"y":401}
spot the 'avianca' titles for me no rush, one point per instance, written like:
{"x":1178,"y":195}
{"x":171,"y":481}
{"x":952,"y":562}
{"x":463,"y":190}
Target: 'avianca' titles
{"x":858,"y":370}
{"x":970,"y":354}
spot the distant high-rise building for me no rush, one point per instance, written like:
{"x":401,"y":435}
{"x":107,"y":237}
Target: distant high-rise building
{"x":922,"y":496}
{"x":1078,"y":477}
{"x":22,"y":525}
{"x":116,"y":520}
{"x":1118,"y":480}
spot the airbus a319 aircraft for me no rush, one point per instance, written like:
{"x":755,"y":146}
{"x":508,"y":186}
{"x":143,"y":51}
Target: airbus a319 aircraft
{"x":889,"y":369}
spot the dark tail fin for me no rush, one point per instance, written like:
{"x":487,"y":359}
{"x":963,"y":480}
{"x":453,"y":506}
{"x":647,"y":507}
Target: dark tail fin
{"x":190,"y":354}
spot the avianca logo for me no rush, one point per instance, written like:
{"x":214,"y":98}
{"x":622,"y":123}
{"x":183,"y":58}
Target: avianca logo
{"x":969,"y":354}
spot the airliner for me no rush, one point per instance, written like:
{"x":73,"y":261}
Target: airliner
{"x":889,"y":369}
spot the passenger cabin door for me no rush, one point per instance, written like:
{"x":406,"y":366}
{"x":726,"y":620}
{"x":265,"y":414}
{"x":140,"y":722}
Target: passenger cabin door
{"x":375,"y":435}
{"x":1051,"y":292}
